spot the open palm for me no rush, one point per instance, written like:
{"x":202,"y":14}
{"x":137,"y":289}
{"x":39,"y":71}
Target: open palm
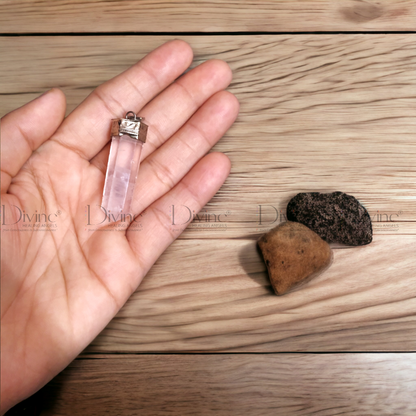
{"x":66,"y":273}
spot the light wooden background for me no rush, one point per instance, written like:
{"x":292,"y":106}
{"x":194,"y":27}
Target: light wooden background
{"x":204,"y":333}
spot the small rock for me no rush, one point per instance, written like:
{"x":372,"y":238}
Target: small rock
{"x":336,"y":217}
{"x":293,"y":255}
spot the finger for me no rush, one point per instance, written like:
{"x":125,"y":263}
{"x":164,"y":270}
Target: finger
{"x":153,"y":232}
{"x":168,"y":112}
{"x":87,"y":128}
{"x":25,"y":129}
{"x":163,"y":169}
{"x":173,"y":107}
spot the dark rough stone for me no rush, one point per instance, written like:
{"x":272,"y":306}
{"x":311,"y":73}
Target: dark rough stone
{"x":336,"y":217}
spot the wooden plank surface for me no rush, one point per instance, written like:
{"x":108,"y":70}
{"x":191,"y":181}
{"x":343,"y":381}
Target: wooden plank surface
{"x":29,"y":16}
{"x":289,"y":384}
{"x":214,"y":295}
{"x":318,"y":113}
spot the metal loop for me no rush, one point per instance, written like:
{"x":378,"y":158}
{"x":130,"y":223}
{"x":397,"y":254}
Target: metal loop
{"x":134,"y":117}
{"x":131,"y":112}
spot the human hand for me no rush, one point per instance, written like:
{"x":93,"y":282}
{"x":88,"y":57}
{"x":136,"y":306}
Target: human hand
{"x":60,"y":287}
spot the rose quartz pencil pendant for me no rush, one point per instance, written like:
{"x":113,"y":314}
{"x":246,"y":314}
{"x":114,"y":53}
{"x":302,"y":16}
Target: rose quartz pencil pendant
{"x":127,"y":137}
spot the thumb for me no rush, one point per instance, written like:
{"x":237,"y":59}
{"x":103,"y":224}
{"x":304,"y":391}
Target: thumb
{"x":23,"y":130}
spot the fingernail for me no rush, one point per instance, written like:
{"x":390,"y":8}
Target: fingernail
{"x":46,"y":92}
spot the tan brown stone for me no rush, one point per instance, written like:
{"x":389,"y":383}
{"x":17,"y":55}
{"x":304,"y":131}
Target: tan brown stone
{"x":293,"y":254}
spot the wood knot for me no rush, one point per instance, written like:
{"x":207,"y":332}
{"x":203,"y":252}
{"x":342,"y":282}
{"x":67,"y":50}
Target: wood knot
{"x":361,"y":11}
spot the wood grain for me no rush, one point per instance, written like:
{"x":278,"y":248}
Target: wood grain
{"x":29,"y":16}
{"x":289,"y":384}
{"x":318,"y":113}
{"x":214,"y":295}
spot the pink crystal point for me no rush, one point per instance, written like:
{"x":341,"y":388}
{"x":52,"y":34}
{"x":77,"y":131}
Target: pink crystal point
{"x":128,"y":136}
{"x":122,"y":170}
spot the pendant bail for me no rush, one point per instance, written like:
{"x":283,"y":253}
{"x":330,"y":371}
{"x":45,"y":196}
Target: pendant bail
{"x":130,"y":125}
